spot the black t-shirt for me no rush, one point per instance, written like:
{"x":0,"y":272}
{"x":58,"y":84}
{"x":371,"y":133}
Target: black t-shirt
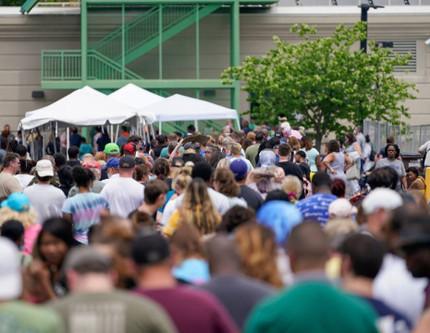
{"x":306,"y":170}
{"x":252,"y":198}
{"x":291,"y":169}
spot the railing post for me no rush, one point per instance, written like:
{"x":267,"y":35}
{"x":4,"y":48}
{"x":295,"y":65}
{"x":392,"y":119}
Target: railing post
{"x":62,"y":65}
{"x":197,"y":42}
{"x":123,"y":42}
{"x":84,"y":40}
{"x":160,"y":41}
{"x":235,"y":51}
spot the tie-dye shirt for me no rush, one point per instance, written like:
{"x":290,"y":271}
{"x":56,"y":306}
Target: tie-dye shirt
{"x":85,"y":209}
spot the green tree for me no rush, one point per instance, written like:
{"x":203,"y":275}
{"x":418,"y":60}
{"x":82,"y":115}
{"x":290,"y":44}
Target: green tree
{"x":325,"y":84}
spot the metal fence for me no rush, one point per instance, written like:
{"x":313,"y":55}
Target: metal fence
{"x":408,"y":140}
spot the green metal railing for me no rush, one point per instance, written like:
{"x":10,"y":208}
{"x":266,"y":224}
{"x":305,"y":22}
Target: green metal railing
{"x":143,"y":33}
{"x":62,"y":65}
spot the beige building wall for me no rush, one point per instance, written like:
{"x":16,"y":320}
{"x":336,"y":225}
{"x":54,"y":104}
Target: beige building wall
{"x":23,"y":37}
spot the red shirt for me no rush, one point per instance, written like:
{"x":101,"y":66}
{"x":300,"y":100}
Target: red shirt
{"x":191,"y":310}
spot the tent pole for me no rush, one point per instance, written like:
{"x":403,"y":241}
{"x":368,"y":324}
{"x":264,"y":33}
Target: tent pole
{"x":67,"y":141}
{"x":23,"y":137}
{"x":111,"y":133}
{"x":117,"y":133}
{"x":196,"y":125}
{"x":159,"y":127}
{"x":238,"y":123}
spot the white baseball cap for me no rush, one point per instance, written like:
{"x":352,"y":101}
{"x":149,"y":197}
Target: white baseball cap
{"x":44,"y":168}
{"x":381,"y":198}
{"x":10,"y":270}
{"x":341,"y":208}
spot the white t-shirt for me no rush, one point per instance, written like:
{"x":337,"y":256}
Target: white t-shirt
{"x":24,"y":179}
{"x":123,"y":195}
{"x":219,"y":201}
{"x":396,"y":286}
{"x":47,"y":200}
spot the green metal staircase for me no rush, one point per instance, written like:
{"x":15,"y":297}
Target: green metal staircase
{"x":66,"y":65}
{"x":108,"y":56}
{"x":143,"y":33}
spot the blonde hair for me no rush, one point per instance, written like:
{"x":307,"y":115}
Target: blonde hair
{"x":197,"y":208}
{"x":181,"y":182}
{"x":292,"y":185}
{"x":338,"y":229}
{"x":258,"y":252}
{"x":27,"y":218}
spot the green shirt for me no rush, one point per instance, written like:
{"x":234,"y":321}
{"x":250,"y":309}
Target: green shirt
{"x":115,"y":311}
{"x":20,"y":317}
{"x":312,"y":307}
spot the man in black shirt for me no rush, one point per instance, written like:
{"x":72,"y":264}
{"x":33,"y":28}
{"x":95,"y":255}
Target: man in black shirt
{"x":289,"y":167}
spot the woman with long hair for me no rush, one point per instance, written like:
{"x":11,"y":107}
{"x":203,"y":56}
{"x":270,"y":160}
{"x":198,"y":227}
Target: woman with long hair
{"x":43,"y":277}
{"x":225,"y":183}
{"x":258,"y":252}
{"x":196,"y":208}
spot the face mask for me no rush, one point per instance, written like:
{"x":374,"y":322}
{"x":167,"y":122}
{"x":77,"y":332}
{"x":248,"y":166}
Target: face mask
{"x":152,"y":177}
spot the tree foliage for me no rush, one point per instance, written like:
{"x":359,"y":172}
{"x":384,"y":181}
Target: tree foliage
{"x":325,"y":84}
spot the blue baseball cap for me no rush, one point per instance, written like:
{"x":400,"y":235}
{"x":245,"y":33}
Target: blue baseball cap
{"x":281,"y":217}
{"x":239,"y":169}
{"x":17,"y":201}
{"x":113,"y":163}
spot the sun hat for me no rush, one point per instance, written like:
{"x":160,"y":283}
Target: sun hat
{"x":17,"y":202}
{"x":341,"y":208}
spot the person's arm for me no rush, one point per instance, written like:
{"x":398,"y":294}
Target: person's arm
{"x":423,"y":325}
{"x":326,"y":163}
{"x":348,"y":162}
{"x":357,"y":148}
{"x":173,"y":153}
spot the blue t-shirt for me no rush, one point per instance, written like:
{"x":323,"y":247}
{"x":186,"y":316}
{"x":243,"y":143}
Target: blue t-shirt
{"x":316,"y":207}
{"x":85,"y":209}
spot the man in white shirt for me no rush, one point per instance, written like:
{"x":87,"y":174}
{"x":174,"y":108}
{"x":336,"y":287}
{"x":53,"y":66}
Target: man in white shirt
{"x":394,"y":284}
{"x":204,"y":171}
{"x":123,"y":193}
{"x":45,"y":198}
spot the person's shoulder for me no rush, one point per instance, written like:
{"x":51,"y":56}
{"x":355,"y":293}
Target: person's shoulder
{"x":27,"y":312}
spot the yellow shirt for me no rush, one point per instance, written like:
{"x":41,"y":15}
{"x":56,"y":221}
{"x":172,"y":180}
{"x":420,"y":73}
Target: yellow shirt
{"x":171,"y":226}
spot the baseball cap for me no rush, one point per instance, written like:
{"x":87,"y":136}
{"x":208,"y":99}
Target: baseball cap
{"x":239,"y":169}
{"x":281,"y":217}
{"x":44,"y":168}
{"x":113,"y":163}
{"x":129,"y":148}
{"x":10,"y":270}
{"x":111,"y":149}
{"x":17,"y":201}
{"x":381,"y":198}
{"x":341,"y":208}
{"x":127,"y":162}
{"x":150,"y":248}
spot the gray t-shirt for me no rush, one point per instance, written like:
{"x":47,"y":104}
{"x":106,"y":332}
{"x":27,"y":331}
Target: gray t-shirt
{"x":47,"y":200}
{"x":111,"y":312}
{"x":239,"y":294}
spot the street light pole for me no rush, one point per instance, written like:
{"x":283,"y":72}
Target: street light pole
{"x":364,"y":15}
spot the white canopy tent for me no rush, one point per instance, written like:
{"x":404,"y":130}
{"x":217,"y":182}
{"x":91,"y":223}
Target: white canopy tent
{"x":83,"y":107}
{"x":137,"y":98}
{"x":182,"y":108}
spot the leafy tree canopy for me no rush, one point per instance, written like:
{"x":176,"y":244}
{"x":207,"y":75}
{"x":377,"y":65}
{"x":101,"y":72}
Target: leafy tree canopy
{"x":325,"y":84}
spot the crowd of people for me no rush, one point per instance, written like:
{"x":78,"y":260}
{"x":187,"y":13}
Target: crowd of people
{"x":249,"y":231}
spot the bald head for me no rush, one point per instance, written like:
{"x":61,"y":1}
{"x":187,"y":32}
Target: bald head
{"x":222,"y":255}
{"x":308,"y":247}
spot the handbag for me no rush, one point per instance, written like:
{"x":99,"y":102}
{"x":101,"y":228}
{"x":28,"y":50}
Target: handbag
{"x":352,"y":173}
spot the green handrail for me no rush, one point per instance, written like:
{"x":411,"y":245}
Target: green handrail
{"x":66,"y":65}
